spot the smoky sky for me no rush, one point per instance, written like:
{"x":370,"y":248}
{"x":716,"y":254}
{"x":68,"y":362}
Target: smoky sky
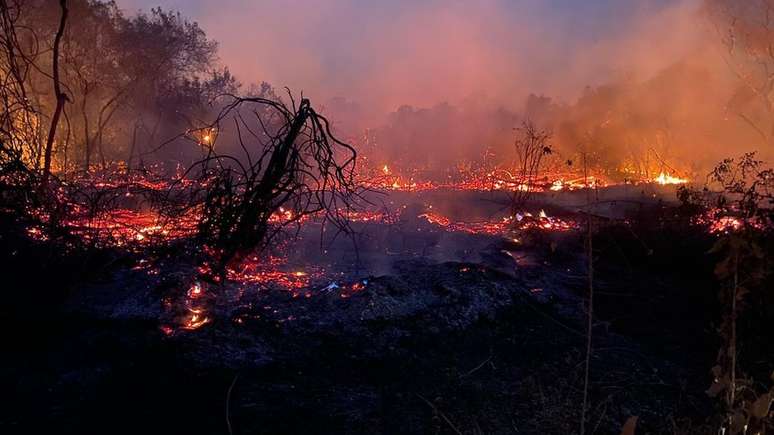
{"x":383,"y":54}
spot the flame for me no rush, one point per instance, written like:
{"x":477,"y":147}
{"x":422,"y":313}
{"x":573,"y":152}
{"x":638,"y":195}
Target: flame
{"x":665,"y":179}
{"x":467,"y":179}
{"x":557,"y":185}
{"x":520,"y":221}
{"x":725,"y":224}
{"x":196,"y":321}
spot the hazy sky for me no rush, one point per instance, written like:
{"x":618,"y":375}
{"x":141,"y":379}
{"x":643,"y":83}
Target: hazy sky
{"x":386,"y":53}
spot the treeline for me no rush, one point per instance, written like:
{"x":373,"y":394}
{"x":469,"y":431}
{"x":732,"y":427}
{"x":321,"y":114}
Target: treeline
{"x":130,"y":83}
{"x":682,"y":120}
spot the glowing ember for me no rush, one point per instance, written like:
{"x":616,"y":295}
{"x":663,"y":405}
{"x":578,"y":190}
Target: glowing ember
{"x":521,"y":221}
{"x":500,"y":179}
{"x":724,"y":221}
{"x":269,"y":273}
{"x":124,"y":227}
{"x":196,"y":321}
{"x":726,"y":224}
{"x":371,"y":216}
{"x":349,"y":291}
{"x":195,"y":291}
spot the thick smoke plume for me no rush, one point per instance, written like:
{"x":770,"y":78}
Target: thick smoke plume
{"x":455,"y":77}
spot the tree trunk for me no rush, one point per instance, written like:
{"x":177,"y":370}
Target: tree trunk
{"x":61,"y":98}
{"x":131,"y":148}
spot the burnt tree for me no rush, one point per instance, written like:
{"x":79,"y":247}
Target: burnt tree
{"x":531,"y":145}
{"x":292,"y":167}
{"x":61,"y":98}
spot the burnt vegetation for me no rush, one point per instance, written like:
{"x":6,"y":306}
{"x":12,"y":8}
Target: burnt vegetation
{"x":186,"y":253}
{"x":292,"y":161}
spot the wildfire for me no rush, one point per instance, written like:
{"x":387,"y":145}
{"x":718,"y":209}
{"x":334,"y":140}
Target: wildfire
{"x":665,"y":179}
{"x":385,"y":217}
{"x":271,"y":272}
{"x":725,"y":224}
{"x":195,"y":313}
{"x":205,"y":136}
{"x":349,"y":291}
{"x":466,"y":179}
{"x":283,"y":216}
{"x":141,"y":227}
{"x":557,"y":185}
{"x":725,"y":221}
{"x":121,"y":227}
{"x":521,"y":221}
{"x":196,"y":321}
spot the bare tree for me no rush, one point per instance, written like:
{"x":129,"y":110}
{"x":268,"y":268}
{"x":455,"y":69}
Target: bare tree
{"x":532,"y":145}
{"x":61,"y":98}
{"x":746,"y":30}
{"x":19,"y":117}
{"x":292,"y":167}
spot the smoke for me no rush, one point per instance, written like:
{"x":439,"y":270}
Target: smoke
{"x":387,"y":54}
{"x":364,"y":60}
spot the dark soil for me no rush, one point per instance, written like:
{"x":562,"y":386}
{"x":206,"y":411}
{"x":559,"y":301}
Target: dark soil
{"x":429,"y":346}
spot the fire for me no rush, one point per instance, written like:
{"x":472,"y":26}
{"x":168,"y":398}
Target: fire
{"x":206,"y":136}
{"x":138,"y":228}
{"x":521,"y":221}
{"x":726,"y":224}
{"x":282,"y":216}
{"x":665,"y":179}
{"x":195,"y":312}
{"x":385,"y":217}
{"x":724,"y":221}
{"x":196,"y":321}
{"x":196,"y":290}
{"x":122,"y":227}
{"x":270,"y":272}
{"x":467,"y":179}
{"x":543,"y":221}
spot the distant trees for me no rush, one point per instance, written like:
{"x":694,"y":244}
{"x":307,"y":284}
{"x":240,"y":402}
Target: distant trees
{"x":442,"y":136}
{"x":626,"y":129}
{"x":129,"y":80}
{"x":635,"y":129}
{"x":746,"y":30}
{"x":15,"y":67}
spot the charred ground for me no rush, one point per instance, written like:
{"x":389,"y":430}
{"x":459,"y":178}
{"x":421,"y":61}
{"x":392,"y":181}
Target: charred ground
{"x":429,"y":344}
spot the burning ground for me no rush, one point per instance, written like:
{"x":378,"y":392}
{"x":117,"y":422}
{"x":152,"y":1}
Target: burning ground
{"x":536,"y":223}
{"x":444,"y":313}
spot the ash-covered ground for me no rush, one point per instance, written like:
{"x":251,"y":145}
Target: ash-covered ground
{"x":410,"y":326}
